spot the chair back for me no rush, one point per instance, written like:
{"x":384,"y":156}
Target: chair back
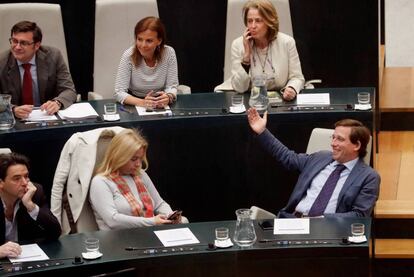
{"x":235,"y":26}
{"x":47,"y":16}
{"x":321,"y":138}
{"x":115,"y":21}
{"x":260,"y":214}
{"x":86,"y":221}
{"x":5,"y":150}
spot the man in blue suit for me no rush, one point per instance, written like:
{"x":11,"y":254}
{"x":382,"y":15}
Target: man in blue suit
{"x":356,"y":187}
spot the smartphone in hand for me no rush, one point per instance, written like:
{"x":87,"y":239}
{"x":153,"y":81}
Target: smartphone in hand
{"x":174,"y":215}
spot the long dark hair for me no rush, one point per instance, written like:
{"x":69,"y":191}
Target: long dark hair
{"x":153,"y":24}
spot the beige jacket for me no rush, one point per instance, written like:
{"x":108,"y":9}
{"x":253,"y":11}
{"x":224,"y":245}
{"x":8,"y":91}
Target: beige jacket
{"x":283,"y":57}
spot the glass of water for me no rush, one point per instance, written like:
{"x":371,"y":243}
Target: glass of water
{"x":363,"y":98}
{"x":92,"y":245}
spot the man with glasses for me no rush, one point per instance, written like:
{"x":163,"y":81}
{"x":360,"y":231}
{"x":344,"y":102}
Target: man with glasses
{"x":331,"y":183}
{"x":24,"y":212}
{"x":35,"y":75}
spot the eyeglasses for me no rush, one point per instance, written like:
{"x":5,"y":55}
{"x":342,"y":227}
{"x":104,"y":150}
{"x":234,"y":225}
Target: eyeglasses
{"x":23,"y":43}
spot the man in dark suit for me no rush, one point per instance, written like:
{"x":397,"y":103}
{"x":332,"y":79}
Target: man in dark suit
{"x":24,"y":213}
{"x":34,"y":75}
{"x":331,"y":183}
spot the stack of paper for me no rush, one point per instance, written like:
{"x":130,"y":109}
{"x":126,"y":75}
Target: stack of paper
{"x":78,"y":111}
{"x":39,"y":115}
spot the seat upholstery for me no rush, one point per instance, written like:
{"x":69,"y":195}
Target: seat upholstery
{"x":47,"y":16}
{"x":5,"y":150}
{"x":114,"y":32}
{"x":320,"y":139}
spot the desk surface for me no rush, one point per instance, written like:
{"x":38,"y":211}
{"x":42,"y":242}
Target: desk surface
{"x":201,"y":154}
{"x":322,"y":246}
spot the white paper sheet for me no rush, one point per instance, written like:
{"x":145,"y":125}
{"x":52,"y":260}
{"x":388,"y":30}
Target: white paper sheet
{"x":143,"y":111}
{"x":75,"y":111}
{"x":30,"y":252}
{"x":313,"y":99}
{"x":175,"y":237}
{"x":39,"y":115}
{"x":291,"y":226}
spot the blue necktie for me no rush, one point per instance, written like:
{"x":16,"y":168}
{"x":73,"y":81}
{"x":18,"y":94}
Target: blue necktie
{"x":322,"y":200}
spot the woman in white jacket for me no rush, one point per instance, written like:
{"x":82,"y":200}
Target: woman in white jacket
{"x":263,"y":50}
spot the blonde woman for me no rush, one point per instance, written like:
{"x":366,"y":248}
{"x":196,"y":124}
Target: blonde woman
{"x":121,"y":194}
{"x":263,"y":50}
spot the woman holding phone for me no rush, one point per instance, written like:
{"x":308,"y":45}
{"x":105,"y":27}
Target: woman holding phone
{"x":263,"y":50}
{"x":147,"y":73}
{"x":121,"y":194}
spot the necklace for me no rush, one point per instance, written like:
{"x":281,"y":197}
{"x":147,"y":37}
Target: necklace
{"x":267,"y":58}
{"x":262,"y":64}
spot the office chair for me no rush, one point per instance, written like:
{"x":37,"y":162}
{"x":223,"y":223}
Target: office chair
{"x":5,"y":150}
{"x":80,"y":156}
{"x":320,"y":139}
{"x":114,"y":33}
{"x":235,"y":28}
{"x":47,"y":16}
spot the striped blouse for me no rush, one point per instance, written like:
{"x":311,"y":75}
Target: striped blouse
{"x":142,"y":79}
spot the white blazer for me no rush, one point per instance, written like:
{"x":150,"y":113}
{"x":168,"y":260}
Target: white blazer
{"x":75,"y":167}
{"x":285,"y":61}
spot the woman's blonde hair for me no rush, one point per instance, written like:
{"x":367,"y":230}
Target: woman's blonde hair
{"x":269,"y":14}
{"x":120,"y":151}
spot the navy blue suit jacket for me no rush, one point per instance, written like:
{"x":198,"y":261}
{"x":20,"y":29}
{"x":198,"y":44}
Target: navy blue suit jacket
{"x":359,"y":192}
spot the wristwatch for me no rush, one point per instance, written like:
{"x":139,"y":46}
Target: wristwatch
{"x":59,"y":103}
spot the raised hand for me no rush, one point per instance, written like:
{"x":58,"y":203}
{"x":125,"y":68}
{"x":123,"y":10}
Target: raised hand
{"x":256,"y":122}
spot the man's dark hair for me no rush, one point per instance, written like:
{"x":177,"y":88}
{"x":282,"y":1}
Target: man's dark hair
{"x":358,"y":133}
{"x":7,"y":160}
{"x":27,"y":26}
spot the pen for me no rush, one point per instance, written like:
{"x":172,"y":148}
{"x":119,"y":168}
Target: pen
{"x":122,"y":108}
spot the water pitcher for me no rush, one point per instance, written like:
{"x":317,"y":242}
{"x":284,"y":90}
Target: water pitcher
{"x":6,"y":114}
{"x":244,"y":235}
{"x":258,"y":95}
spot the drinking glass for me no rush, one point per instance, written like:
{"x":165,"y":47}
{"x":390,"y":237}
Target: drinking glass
{"x":110,"y":108}
{"x":92,"y":245}
{"x":363,"y":98}
{"x":357,"y":229}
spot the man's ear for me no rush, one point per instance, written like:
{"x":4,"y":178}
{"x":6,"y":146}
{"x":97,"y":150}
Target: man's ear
{"x":357,"y":146}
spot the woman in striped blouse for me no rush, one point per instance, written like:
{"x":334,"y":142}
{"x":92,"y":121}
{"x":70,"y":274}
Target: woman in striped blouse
{"x":147,"y":73}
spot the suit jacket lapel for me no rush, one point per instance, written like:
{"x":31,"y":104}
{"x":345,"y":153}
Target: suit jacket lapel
{"x":42,"y":73}
{"x":360,"y":165}
{"x":13,"y":74}
{"x":2,"y":224}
